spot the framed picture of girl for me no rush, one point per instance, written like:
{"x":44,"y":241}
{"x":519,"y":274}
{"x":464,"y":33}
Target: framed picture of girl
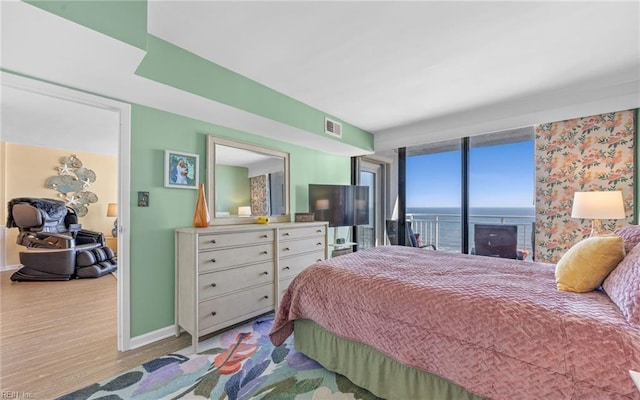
{"x":181,"y":170}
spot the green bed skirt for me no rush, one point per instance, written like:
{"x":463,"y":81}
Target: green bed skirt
{"x":372,"y":370}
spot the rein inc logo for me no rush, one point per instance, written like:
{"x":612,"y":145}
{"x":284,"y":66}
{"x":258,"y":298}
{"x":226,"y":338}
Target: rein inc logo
{"x":8,"y":394}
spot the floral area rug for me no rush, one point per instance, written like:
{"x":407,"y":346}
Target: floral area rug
{"x":239,"y":364}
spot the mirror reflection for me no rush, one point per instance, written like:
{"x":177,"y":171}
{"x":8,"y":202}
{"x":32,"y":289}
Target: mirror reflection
{"x":246,"y":181}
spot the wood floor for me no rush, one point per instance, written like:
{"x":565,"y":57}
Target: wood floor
{"x":57,"y":337}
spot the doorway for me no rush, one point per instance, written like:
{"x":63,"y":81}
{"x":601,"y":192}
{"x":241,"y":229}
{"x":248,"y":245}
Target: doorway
{"x":55,"y":96}
{"x":372,"y":174}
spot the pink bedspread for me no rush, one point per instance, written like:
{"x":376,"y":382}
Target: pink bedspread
{"x":497,"y":327}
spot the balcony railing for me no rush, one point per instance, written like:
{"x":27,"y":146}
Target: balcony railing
{"x":444,"y":230}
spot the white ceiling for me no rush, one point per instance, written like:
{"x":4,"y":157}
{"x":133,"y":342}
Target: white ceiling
{"x":409,"y":72}
{"x":383,"y":65}
{"x":35,"y":119}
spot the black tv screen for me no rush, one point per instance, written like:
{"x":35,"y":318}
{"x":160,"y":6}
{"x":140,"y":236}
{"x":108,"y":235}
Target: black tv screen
{"x":341,"y":205}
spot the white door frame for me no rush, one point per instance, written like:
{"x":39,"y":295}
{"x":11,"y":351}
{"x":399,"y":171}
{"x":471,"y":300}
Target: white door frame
{"x":124,"y":156}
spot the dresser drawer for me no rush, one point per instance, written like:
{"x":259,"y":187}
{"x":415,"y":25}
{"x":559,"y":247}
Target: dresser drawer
{"x":292,"y":266}
{"x":295,"y":247}
{"x":217,"y":241}
{"x":301,"y":232}
{"x":217,"y":311}
{"x":220,"y":259}
{"x":229,"y":280}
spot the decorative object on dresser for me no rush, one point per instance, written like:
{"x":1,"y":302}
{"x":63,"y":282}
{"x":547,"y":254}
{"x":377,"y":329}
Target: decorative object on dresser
{"x":201,"y":214}
{"x":305,"y":217}
{"x":229,"y":274}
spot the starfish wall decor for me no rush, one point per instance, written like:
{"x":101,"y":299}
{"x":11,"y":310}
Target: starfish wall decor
{"x":72,"y":183}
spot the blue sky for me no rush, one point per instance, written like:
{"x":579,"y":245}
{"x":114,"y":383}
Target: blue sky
{"x":500,"y":176}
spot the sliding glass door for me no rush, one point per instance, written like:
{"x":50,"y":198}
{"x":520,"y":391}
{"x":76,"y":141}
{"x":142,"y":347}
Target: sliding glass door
{"x":433,"y":194}
{"x":501,"y":188}
{"x":371,"y":175}
{"x":455,"y":186}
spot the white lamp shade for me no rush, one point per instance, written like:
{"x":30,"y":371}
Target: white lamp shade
{"x":244,"y":211}
{"x":598,"y":205}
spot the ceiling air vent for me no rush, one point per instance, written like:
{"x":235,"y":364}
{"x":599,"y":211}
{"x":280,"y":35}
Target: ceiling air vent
{"x":332,"y":127}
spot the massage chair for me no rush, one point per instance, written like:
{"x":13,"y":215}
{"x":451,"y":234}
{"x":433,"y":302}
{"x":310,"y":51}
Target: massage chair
{"x":56,"y":247}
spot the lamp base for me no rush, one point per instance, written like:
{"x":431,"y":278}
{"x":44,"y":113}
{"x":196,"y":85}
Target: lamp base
{"x":596,"y":228}
{"x":114,"y":231}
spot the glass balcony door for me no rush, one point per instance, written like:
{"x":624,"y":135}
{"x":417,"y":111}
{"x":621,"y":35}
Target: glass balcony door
{"x":433,"y":194}
{"x":501,"y":188}
{"x":371,"y":174}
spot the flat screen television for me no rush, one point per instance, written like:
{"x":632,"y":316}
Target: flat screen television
{"x":341,"y":205}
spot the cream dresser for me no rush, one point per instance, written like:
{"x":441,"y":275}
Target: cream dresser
{"x":228,"y":274}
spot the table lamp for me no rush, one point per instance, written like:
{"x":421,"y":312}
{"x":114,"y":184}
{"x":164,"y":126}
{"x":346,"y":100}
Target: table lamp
{"x":598,"y":205}
{"x":112,"y":211}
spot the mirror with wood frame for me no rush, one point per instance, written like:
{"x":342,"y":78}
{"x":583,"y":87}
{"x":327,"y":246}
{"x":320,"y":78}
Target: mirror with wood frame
{"x":245,"y":181}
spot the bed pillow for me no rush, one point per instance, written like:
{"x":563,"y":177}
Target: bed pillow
{"x":631,"y":236}
{"x":623,"y":286}
{"x":587,"y":264}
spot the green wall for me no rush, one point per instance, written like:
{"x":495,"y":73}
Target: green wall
{"x":174,"y":66}
{"x":233,"y":188}
{"x":177,"y":67}
{"x":153,"y":131}
{"x":122,"y":20}
{"x":152,"y":228}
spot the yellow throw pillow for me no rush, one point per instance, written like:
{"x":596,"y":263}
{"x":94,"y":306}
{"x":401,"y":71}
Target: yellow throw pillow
{"x":587,"y":264}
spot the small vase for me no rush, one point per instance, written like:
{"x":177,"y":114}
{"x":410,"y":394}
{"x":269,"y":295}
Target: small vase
{"x":201,"y":215}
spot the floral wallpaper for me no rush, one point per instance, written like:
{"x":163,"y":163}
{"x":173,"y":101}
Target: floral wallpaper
{"x":584,"y":154}
{"x":260,"y":195}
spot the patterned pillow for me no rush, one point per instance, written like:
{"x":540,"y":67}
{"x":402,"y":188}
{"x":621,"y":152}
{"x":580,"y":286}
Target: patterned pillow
{"x":631,"y":236}
{"x":623,"y":286}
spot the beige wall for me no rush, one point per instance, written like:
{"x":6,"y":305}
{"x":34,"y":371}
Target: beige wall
{"x":25,"y":170}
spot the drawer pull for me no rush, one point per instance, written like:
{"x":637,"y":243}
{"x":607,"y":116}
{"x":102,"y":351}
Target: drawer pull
{"x":286,"y":249}
{"x":213,"y":313}
{"x":319,"y":259}
{"x":213,"y":260}
{"x":265,"y":236}
{"x":265,"y":273}
{"x":319,"y":231}
{"x":287,"y":267}
{"x":287,"y":234}
{"x":213,"y":241}
{"x":213,"y":285}
{"x":264,"y":252}
{"x":265,"y":297}
{"x":319,"y":244}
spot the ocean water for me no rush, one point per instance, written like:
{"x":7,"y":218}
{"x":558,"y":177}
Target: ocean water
{"x":442,"y":227}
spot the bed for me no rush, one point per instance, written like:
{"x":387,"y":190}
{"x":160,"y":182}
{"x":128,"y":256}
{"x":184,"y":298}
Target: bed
{"x":408,"y":323}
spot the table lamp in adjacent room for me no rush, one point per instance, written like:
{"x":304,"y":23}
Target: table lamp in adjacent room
{"x":112,"y":211}
{"x":244,"y":211}
{"x":598,"y":205}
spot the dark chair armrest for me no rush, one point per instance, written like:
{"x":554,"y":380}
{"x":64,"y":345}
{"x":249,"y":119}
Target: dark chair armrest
{"x":87,"y":246}
{"x":49,"y":240}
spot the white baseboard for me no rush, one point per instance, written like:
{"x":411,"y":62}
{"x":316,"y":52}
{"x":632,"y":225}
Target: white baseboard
{"x":10,"y":267}
{"x":152,"y":337}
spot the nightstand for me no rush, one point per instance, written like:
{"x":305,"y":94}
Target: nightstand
{"x":112,"y":242}
{"x":340,"y":249}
